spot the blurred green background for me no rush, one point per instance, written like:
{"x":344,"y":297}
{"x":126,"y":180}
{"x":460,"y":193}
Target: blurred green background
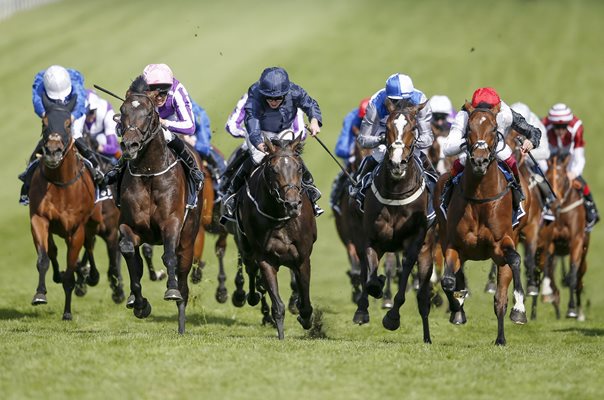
{"x":534,"y":51}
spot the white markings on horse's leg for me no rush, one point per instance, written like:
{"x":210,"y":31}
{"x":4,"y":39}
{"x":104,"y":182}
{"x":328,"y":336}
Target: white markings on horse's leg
{"x":519,"y":301}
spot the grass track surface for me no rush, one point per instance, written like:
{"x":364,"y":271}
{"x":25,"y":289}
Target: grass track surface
{"x":538,"y":52}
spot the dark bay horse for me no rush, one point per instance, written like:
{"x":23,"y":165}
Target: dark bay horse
{"x":278,"y":228}
{"x":478,"y":224}
{"x":62,"y":196}
{"x":565,"y":236}
{"x":395,"y":219}
{"x":153,"y":211}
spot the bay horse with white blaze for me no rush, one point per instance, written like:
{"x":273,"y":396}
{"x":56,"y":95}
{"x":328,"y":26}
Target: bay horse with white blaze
{"x":278,"y":228}
{"x":153,"y":198}
{"x":478,"y":223}
{"x":62,"y":195}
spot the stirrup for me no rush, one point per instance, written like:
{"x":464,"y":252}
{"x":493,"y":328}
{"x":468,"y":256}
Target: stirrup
{"x":24,"y":200}
{"x":318,"y":210}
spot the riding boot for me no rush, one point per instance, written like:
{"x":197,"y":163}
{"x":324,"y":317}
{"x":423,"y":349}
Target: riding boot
{"x":236,"y":161}
{"x":591,"y":212}
{"x":337,"y":189}
{"x":236,"y":183}
{"x":114,"y":174}
{"x":181,"y":151}
{"x":314,"y":194}
{"x":89,"y":155}
{"x":26,"y":178}
{"x":548,"y":198}
{"x":430,"y":177}
{"x":517,"y":194}
{"x":367,"y":165}
{"x":447,"y":192}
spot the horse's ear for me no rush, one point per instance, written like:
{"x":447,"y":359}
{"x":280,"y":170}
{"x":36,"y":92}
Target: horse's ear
{"x":421,"y":106}
{"x":269,"y":145}
{"x":389,"y":105}
{"x":468,"y":107}
{"x":46,"y":102}
{"x":295,"y":144}
{"x":70,"y":106}
{"x":496,"y":109}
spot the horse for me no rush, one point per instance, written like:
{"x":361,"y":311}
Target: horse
{"x":108,"y":231}
{"x":565,"y":236}
{"x":153,"y":209}
{"x":478,"y":223}
{"x":62,"y":202}
{"x":395,"y":219}
{"x":527,"y":230}
{"x":277,"y":227}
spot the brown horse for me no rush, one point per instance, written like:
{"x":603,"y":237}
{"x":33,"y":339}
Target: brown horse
{"x":478,"y":224}
{"x":62,"y":195}
{"x":395,"y":219}
{"x":278,"y":228}
{"x":153,"y":204}
{"x":565,"y":236}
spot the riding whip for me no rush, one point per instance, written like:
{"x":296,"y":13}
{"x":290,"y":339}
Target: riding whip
{"x":108,"y":92}
{"x":350,"y":178}
{"x":538,"y":168}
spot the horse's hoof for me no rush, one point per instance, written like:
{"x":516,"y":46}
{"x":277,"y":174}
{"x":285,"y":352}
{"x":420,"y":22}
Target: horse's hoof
{"x":93,"y":278}
{"x":361,"y":317}
{"x":268,"y":320}
{"x":391,"y":322}
{"x":160,"y":275}
{"x":415,"y":284}
{"x":130,"y":302}
{"x":518,"y":317}
{"x":221,"y":295}
{"x":532,"y":291}
{"x":374,"y":288}
{"x":428,"y":340}
{"x":67,"y":317}
{"x":118,"y":295}
{"x":458,"y":318}
{"x":387,"y":304}
{"x":500,"y":342}
{"x":143,"y":312}
{"x":173,"y":295}
{"x":437,"y":300}
{"x":196,"y":275}
{"x":292,"y":305}
{"x":305,"y":322}
{"x":253,"y":299}
{"x":490,"y":288}
{"x":448,"y":283}
{"x":581,"y":316}
{"x":238,"y":298}
{"x":80,"y":290}
{"x":571,"y":313}
{"x":57,"y":278}
{"x":39,"y":298}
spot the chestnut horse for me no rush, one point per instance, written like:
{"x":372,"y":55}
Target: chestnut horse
{"x":395,"y":219}
{"x":153,"y":211}
{"x":565,"y":236}
{"x":62,"y":195}
{"x":478,"y":224}
{"x":278,"y":228}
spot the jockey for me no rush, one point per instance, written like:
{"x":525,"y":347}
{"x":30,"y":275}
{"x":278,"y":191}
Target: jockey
{"x":235,"y":126}
{"x":345,"y":148}
{"x":60,"y":85}
{"x":100,"y":125}
{"x":271,"y":107}
{"x":565,"y":135}
{"x":399,"y":88}
{"x":176,"y":117}
{"x":506,"y":119}
{"x":443,"y":114}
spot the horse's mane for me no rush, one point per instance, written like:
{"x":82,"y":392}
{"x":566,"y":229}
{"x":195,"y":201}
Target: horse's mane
{"x":139,"y":85}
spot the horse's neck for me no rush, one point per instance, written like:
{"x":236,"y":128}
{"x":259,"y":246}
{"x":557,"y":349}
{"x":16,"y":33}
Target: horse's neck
{"x":482,"y":185}
{"x":154,"y":156}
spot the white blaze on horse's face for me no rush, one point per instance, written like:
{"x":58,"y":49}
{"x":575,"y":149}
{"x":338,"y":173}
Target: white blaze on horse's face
{"x":398,"y":146}
{"x":135,"y":103}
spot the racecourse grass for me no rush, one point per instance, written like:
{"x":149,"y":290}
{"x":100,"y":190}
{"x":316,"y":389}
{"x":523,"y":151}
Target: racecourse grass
{"x":341,"y":51}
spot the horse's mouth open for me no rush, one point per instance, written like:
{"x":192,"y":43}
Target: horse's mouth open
{"x":130,"y":151}
{"x":398,"y":173}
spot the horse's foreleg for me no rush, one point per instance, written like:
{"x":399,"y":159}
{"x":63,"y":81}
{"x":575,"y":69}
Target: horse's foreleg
{"x":451,"y":282}
{"x":40,"y":234}
{"x":251,"y":268}
{"x":53,"y":255}
{"x":302,"y":275}
{"x":74,"y":245}
{"x":500,"y":300}
{"x":355,"y":271}
{"x":171,"y":238}
{"x":148,"y":255}
{"x":277,"y":306}
{"x":220,"y":248}
{"x":374,"y":284}
{"x":294,"y":298}
{"x":491,"y":285}
{"x":184,"y":267}
{"x":361,"y":315}
{"x":390,"y":272}
{"x":239,"y":294}
{"x":129,"y":247}
{"x":512,"y":258}
{"x":576,"y":253}
{"x":114,"y":273}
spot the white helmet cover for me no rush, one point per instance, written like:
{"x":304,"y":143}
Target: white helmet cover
{"x":57,"y":82}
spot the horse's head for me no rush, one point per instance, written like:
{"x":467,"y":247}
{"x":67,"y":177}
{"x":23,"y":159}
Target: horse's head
{"x":139,"y":121}
{"x":556,"y":174}
{"x":283,"y":173}
{"x":401,"y":135}
{"x":56,"y":131}
{"x":482,"y":139}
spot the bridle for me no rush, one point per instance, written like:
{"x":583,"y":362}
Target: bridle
{"x":482,"y":144}
{"x":274,"y":189}
{"x":147,"y":133}
{"x":400,"y":145}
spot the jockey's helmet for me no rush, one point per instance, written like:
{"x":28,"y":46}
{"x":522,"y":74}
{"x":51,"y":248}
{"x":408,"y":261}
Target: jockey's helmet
{"x":560,"y":113}
{"x":399,"y":86}
{"x":57,"y":82}
{"x":158,"y":74}
{"x":485,"y":95}
{"x":274,"y":82}
{"x":441,"y":105}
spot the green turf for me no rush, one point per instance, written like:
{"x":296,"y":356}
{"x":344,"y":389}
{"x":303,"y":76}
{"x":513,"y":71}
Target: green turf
{"x":538,"y":52}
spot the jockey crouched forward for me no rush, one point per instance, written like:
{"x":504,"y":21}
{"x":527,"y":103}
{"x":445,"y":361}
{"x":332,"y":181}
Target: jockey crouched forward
{"x":506,"y":119}
{"x":176,"y":116}
{"x":399,"y":88}
{"x":271,"y":107}
{"x":60,"y":86}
